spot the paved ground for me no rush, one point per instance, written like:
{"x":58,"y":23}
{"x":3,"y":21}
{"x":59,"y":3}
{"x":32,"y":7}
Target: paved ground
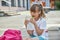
{"x":17,"y":22}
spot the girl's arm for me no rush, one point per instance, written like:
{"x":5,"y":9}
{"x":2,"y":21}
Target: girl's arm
{"x":38,"y":30}
{"x":26,"y":22}
{"x":30,"y":32}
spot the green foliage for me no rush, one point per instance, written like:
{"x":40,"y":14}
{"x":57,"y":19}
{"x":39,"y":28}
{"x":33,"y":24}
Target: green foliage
{"x":57,"y":3}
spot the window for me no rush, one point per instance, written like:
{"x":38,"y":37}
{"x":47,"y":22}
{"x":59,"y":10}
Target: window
{"x":19,"y":3}
{"x":23,"y":3}
{"x":7,"y":0}
{"x":13,"y":3}
{"x":4,"y":3}
{"x":27,"y":4}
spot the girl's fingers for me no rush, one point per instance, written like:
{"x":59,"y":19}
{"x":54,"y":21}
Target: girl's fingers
{"x":26,"y":22}
{"x":31,"y":20}
{"x":32,"y":30}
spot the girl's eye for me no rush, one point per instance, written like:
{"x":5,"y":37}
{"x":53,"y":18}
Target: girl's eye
{"x":33,"y":12}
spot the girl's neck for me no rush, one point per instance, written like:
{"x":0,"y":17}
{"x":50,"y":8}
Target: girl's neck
{"x":37,"y":18}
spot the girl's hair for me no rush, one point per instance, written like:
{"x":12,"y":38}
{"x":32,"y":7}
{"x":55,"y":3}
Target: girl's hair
{"x":40,"y":8}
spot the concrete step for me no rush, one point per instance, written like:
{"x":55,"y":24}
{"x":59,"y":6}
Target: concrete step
{"x":52,"y":34}
{"x":53,"y":14}
{"x":23,"y":31}
{"x":53,"y":20}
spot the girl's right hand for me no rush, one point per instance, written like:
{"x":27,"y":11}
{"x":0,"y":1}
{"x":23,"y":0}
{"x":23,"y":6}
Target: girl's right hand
{"x":30,"y":32}
{"x":26,"y":22}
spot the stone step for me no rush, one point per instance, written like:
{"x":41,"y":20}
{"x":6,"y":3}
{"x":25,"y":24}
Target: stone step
{"x":53,"y":33}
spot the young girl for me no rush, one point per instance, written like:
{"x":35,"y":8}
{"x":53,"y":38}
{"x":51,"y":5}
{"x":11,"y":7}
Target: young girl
{"x":38,"y":21}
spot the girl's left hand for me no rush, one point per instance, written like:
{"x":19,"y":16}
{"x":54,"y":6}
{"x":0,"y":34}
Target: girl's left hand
{"x":32,"y":21}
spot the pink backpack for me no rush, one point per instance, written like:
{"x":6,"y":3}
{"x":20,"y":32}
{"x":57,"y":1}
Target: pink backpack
{"x":11,"y":35}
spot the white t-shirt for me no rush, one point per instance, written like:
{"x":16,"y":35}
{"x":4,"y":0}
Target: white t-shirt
{"x":42,"y":25}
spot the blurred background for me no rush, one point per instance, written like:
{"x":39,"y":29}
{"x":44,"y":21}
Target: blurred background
{"x":15,"y":5}
{"x":13,"y":13}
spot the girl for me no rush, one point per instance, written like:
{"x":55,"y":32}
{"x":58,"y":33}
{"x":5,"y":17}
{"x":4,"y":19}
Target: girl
{"x":38,"y":21}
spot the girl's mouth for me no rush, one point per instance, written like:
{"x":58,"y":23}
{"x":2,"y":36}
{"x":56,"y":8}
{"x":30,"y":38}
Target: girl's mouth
{"x":33,"y":16}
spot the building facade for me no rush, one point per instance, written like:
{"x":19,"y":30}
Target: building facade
{"x":45,"y":3}
{"x":16,"y":4}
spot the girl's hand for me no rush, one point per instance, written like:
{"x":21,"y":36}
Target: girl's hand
{"x":26,"y":22}
{"x":32,"y":21}
{"x":30,"y":32}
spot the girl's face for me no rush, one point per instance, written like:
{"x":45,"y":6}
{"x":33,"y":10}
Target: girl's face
{"x":35,"y":14}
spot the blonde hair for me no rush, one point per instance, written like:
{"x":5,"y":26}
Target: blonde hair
{"x":40,"y":8}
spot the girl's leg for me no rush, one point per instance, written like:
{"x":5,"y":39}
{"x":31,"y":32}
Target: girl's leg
{"x":27,"y":38}
{"x":32,"y":39}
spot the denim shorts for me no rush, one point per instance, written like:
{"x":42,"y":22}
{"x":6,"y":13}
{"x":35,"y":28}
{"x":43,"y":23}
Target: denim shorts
{"x":40,"y":38}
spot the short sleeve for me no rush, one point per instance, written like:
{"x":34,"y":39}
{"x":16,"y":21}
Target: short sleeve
{"x":42,"y":24}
